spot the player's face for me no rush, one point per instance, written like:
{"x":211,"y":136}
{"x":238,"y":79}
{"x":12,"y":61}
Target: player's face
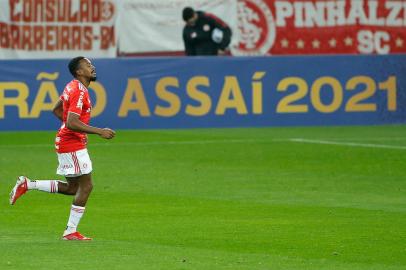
{"x":192,"y":21}
{"x":88,"y":70}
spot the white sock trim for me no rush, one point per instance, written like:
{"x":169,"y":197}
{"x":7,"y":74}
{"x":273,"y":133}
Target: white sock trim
{"x":76,"y":213}
{"x":78,"y":207}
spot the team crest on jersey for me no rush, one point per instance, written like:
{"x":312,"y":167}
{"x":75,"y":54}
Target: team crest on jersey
{"x":256,"y":26}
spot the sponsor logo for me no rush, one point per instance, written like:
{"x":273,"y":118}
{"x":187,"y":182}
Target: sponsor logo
{"x":80,"y":101}
{"x":257,"y":29}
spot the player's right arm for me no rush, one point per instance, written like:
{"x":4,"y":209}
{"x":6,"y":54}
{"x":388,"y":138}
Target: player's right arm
{"x":58,"y":109}
{"x":73,"y":123}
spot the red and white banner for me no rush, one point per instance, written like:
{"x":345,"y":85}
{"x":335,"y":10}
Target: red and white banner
{"x":57,"y":28}
{"x":266,"y":27}
{"x":321,"y":27}
{"x":67,"y":28}
{"x":157,"y":25}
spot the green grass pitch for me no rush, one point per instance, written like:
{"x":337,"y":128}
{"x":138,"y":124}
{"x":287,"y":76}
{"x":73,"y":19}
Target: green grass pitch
{"x":255,"y":198}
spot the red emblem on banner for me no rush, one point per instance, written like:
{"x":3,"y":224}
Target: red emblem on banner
{"x":257,"y":31}
{"x":320,"y":27}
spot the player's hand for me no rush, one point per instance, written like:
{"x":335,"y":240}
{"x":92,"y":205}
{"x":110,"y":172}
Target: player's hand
{"x":107,"y":133}
{"x":221,"y":52}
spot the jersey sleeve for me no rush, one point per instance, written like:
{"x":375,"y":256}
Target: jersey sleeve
{"x":76,"y":102}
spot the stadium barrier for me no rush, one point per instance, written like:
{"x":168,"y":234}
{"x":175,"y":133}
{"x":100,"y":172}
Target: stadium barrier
{"x":182,"y":92}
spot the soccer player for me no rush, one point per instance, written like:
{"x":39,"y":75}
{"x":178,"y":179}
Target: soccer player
{"x":73,"y":109}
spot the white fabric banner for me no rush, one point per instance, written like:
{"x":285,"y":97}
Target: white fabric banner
{"x":58,"y":28}
{"x":157,"y":25}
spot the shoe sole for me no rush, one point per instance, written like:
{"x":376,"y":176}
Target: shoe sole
{"x":64,"y":239}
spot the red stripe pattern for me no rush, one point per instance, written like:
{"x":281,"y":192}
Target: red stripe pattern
{"x":53,"y":187}
{"x":76,"y":162}
{"x":78,"y":210}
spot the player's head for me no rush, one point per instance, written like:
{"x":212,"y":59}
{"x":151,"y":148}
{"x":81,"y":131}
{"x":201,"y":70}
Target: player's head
{"x":82,"y":67}
{"x":189,"y":16}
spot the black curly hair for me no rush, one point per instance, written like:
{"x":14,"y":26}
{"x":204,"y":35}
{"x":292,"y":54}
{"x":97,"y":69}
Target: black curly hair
{"x":74,"y":65}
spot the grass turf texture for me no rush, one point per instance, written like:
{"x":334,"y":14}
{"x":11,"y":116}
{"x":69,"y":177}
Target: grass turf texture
{"x":215,"y":199}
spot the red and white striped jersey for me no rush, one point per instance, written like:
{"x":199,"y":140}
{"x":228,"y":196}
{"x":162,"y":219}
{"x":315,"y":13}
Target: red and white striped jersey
{"x":76,"y":99}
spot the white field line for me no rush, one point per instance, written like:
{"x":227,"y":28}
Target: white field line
{"x":197,"y":142}
{"x":221,"y":141}
{"x":367,"y":139}
{"x":354,"y":144}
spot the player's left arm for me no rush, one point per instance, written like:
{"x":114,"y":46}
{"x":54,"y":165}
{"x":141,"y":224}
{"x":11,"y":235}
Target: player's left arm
{"x":58,"y":109}
{"x":73,"y":123}
{"x":219,"y":25}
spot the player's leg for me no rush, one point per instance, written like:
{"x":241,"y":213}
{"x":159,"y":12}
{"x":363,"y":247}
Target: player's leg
{"x":85,"y":186}
{"x":25,"y":184}
{"x":68,"y":166}
{"x":70,"y":187}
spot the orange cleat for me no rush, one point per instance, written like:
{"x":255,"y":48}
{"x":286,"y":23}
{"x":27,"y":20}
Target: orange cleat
{"x":19,"y":189}
{"x":76,"y":236}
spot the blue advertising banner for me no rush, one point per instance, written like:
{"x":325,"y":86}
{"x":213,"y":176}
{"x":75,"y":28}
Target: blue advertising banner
{"x":194,"y":92}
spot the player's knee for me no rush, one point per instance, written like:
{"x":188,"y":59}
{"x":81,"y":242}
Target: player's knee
{"x":72,"y":189}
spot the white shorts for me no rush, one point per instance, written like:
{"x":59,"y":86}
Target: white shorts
{"x":74,"y":164}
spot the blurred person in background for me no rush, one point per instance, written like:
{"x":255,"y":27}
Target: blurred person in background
{"x":204,"y":33}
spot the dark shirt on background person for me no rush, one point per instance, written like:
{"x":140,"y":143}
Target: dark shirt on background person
{"x":204,"y":33}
